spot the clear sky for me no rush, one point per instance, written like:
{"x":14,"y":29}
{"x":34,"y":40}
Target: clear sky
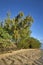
{"x":32,"y":7}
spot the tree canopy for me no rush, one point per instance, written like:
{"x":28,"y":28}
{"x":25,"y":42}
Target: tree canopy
{"x":18,"y":30}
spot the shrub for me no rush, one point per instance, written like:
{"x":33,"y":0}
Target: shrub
{"x":23,"y":44}
{"x":34,"y":43}
{"x":6,"y":45}
{"x":30,"y":43}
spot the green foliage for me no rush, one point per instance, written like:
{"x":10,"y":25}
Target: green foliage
{"x":23,"y":44}
{"x":34,"y":43}
{"x":4,"y":34}
{"x":29,"y":43}
{"x":21,"y":27}
{"x":18,"y":30}
{"x":6,"y":45}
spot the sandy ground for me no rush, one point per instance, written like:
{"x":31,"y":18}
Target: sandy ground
{"x":20,"y":51}
{"x":21,"y":57}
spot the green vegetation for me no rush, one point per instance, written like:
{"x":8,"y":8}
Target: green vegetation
{"x":17,"y":31}
{"x":29,"y":43}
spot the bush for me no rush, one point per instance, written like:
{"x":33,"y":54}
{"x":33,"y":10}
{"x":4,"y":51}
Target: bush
{"x":7,"y":45}
{"x":34,"y":43}
{"x":23,"y":44}
{"x":30,"y":43}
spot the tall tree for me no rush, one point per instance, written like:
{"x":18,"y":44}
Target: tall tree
{"x":18,"y":30}
{"x":21,"y":27}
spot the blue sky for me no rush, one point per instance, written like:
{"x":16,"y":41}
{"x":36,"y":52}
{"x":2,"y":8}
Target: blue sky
{"x":32,"y":7}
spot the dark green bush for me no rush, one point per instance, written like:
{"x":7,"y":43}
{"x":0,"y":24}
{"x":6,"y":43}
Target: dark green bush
{"x":23,"y":44}
{"x":30,"y":43}
{"x":34,"y":43}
